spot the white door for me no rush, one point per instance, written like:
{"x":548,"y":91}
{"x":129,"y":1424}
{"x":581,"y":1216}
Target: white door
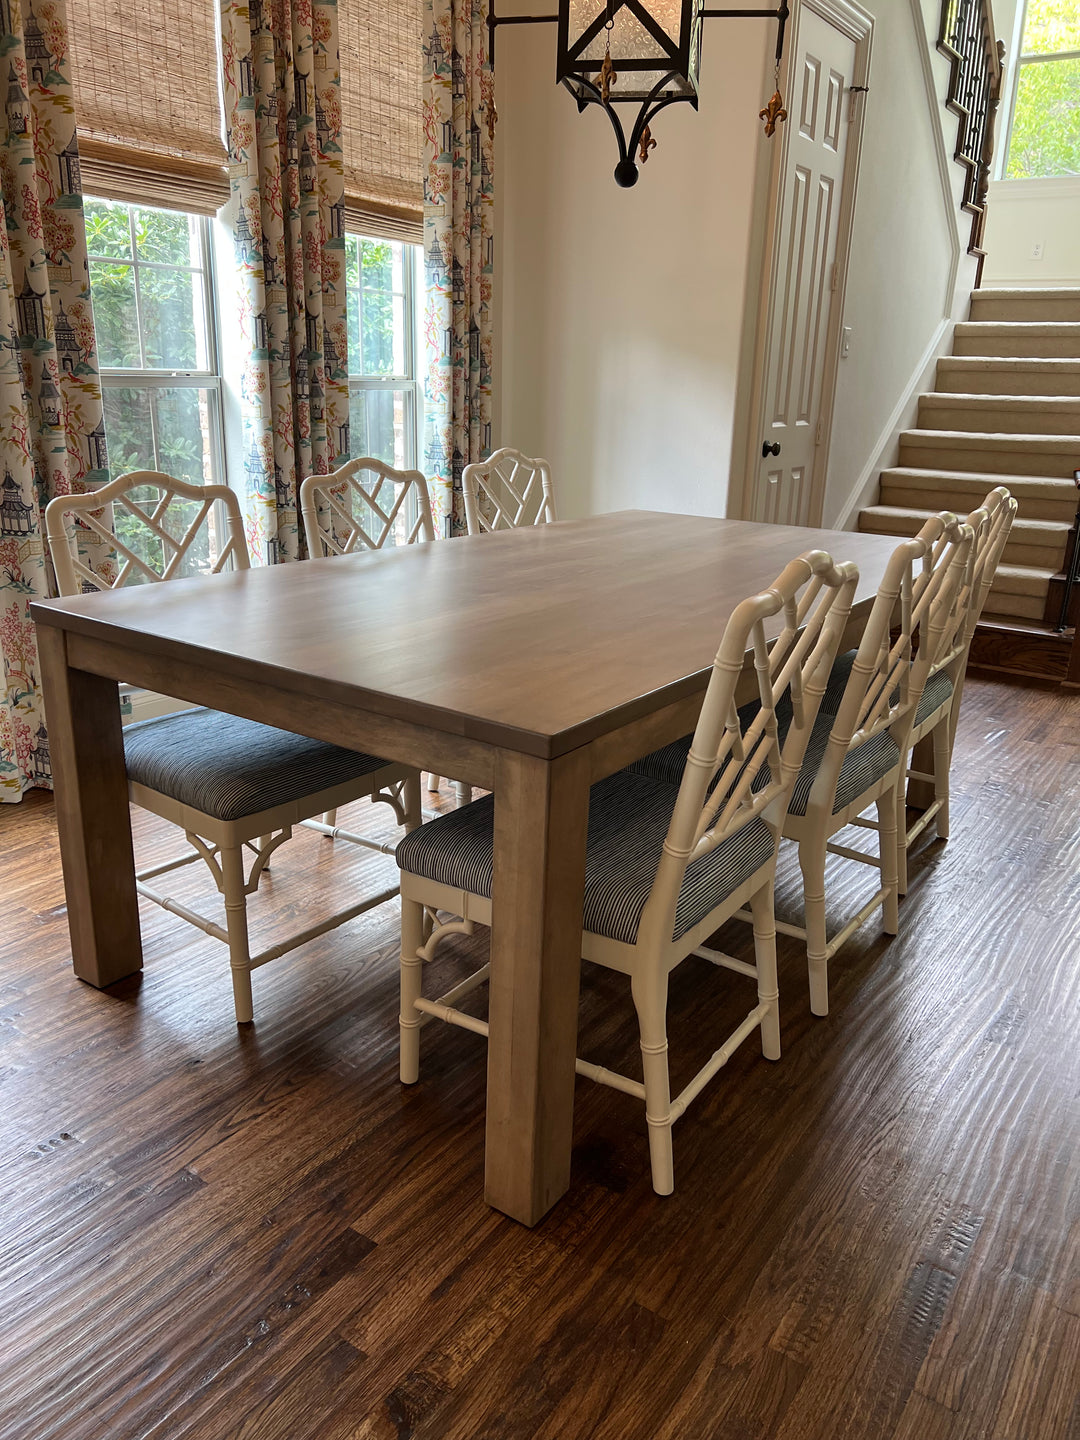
{"x":804,"y":271}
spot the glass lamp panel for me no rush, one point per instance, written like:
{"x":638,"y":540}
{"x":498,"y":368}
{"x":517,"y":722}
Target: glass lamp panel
{"x":630,"y":40}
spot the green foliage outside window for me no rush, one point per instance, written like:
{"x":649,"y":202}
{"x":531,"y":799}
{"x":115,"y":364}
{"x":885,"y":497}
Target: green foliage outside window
{"x":1045,"y":136}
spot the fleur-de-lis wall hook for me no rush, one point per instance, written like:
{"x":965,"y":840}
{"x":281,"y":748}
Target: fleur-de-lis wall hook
{"x":774,"y":113}
{"x":646,"y":144}
{"x":606,"y":78}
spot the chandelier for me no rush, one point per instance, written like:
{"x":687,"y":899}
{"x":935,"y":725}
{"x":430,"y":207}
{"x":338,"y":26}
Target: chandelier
{"x":645,"y":56}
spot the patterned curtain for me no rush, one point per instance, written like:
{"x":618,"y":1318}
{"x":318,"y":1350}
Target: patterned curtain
{"x":283,"y":114}
{"x":52,"y":435}
{"x":459,"y":145}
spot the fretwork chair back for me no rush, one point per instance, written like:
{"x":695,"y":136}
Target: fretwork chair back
{"x":228,"y":783}
{"x":939,"y":710}
{"x":507,"y":491}
{"x":365,"y":505}
{"x":368,"y":505}
{"x":667,"y":864}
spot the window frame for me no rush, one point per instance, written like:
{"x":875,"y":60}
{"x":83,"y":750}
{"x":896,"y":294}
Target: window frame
{"x":410,"y":383}
{"x":1002,"y":159}
{"x":155,"y":378}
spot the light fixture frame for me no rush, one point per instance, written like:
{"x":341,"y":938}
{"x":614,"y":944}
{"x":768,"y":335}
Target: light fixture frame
{"x":583,"y":77}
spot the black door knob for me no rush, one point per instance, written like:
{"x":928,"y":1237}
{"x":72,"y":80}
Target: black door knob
{"x":767,"y":449}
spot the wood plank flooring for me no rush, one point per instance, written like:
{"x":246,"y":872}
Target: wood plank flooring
{"x":208,"y":1232}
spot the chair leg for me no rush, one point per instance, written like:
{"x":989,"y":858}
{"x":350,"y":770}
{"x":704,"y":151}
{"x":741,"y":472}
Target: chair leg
{"x":232,"y":874}
{"x":464,"y":792}
{"x":812,"y":863}
{"x":412,"y":967}
{"x":887,"y":850}
{"x":650,"y":1001}
{"x":433,"y":783}
{"x":330,"y":817}
{"x":414,"y":816}
{"x":901,"y":829}
{"x":942,"y":761}
{"x":761,"y":903}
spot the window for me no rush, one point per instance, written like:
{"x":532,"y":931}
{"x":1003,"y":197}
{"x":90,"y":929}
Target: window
{"x":151,"y":283}
{"x":384,"y":393}
{"x":1044,"y":138}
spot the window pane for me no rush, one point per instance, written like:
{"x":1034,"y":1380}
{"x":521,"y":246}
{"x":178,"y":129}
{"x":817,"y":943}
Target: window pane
{"x":377,"y":421}
{"x":383,"y":337}
{"x":1045,"y":138}
{"x":166,"y":237}
{"x":129,"y":431}
{"x":107,"y":229}
{"x":115,"y":317}
{"x":1051,"y":26}
{"x":168,"y":301}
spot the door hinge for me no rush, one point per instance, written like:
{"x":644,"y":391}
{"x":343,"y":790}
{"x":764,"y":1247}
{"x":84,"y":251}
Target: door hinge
{"x":818,"y":433}
{"x":834,"y":276}
{"x":854,"y":90}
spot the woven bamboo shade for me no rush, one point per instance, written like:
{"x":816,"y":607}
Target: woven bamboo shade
{"x":381,"y":58}
{"x":147,"y":102}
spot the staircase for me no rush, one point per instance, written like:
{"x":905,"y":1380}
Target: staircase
{"x":1005,"y":411}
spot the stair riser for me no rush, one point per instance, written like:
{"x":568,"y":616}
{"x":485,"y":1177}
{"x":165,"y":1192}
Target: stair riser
{"x":977,"y":380}
{"x":1035,"y":347}
{"x":986,"y":305}
{"x":998,"y":419}
{"x":1029,"y":461}
{"x":1019,"y":550}
{"x":1015,"y":607}
{"x":943,"y":497}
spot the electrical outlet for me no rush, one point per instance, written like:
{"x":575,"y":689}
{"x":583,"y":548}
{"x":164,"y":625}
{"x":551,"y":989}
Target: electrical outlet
{"x":845,"y":342}
{"x":1036,"y":250}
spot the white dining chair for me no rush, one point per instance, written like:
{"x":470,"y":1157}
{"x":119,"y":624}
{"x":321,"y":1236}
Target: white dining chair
{"x":368,"y":505}
{"x":507,"y":491}
{"x":230,"y":784}
{"x":854,"y":755}
{"x":939,"y":709}
{"x":667,"y":864}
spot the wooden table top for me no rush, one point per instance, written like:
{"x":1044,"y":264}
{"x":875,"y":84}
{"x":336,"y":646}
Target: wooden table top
{"x":536,"y":640}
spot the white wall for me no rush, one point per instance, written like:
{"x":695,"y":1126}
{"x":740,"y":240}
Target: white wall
{"x":620,"y":312}
{"x":1023,"y":213}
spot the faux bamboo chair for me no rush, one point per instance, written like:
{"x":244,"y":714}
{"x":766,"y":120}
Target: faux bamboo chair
{"x":855,"y":753}
{"x":506,"y":491}
{"x":366,"y":505}
{"x":667,"y":864}
{"x":940,"y":708}
{"x":228,"y":783}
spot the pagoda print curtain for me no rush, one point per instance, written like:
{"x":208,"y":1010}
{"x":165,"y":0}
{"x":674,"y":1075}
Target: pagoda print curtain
{"x":52,"y":437}
{"x":459,"y":145}
{"x":283,"y":114}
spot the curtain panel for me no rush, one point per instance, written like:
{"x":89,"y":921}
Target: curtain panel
{"x":52,"y":435}
{"x":283,"y":116}
{"x":459,"y":145}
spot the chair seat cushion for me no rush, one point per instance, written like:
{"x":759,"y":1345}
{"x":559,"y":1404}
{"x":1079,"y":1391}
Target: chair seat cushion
{"x":935,"y":692}
{"x":863,"y":766}
{"x":228,"y":767}
{"x":629,"y":817}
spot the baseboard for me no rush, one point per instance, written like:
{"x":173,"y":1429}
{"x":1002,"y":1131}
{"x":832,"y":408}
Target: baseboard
{"x":146,"y":704}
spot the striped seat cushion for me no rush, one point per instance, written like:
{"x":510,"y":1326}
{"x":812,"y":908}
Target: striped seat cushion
{"x":935,"y":692}
{"x":228,"y":767}
{"x":628,"y":820}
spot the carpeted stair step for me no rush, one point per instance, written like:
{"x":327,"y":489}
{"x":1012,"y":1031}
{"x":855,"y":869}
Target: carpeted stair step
{"x":1039,"y":543}
{"x":1029,"y":305}
{"x":1003,"y":337}
{"x":1003,"y":414}
{"x":1039,"y":497}
{"x":1006,"y":375}
{"x":999,"y":454}
{"x":1019,"y":592}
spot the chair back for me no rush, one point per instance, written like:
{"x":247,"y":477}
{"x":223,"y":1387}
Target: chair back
{"x":814,"y":597}
{"x":506,"y":491}
{"x":917,"y":608}
{"x":364,"y":505}
{"x":158,"y":527}
{"x":991,"y":522}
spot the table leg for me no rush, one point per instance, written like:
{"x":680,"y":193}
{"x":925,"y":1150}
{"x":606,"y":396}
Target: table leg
{"x":541,"y":822}
{"x":87,"y":752}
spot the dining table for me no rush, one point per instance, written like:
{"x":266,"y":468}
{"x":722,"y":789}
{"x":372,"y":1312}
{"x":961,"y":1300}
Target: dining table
{"x":529,"y":662}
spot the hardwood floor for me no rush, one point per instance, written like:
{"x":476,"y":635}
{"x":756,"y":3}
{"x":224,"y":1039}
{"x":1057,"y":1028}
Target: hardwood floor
{"x":211,"y":1232}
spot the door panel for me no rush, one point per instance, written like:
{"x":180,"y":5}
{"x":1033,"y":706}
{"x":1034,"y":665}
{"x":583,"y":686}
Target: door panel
{"x":803,"y":290}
